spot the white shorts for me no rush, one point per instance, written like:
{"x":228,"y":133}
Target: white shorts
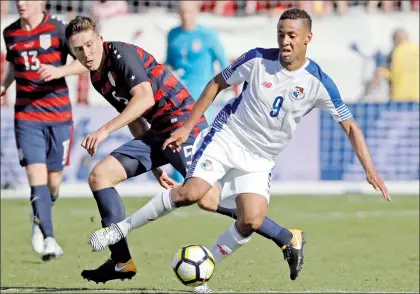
{"x":238,"y":170}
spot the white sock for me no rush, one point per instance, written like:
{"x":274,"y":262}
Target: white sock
{"x":157,"y":207}
{"x":229,"y":241}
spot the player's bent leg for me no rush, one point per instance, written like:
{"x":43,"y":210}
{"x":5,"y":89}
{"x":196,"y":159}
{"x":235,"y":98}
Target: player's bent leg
{"x":54,"y":182}
{"x":269,"y":229}
{"x":41,"y":206}
{"x":104,"y":176}
{"x":159,"y":206}
{"x":251,"y":210}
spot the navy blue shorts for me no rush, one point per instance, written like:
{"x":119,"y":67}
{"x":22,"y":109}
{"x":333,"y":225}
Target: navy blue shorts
{"x":145,"y":153}
{"x":44,"y":144}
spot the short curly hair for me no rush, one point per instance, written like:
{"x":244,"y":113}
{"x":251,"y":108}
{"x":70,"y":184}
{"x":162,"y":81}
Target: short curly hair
{"x":297,"y":13}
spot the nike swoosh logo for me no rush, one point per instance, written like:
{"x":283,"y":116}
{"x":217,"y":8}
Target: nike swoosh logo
{"x":120,"y":268}
{"x":34,"y":199}
{"x":12,"y":46}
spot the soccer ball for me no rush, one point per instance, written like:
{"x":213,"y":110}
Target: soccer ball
{"x":193,"y":265}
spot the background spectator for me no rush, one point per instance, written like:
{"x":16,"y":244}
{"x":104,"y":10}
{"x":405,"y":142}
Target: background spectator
{"x":397,"y":76}
{"x":192,"y":51}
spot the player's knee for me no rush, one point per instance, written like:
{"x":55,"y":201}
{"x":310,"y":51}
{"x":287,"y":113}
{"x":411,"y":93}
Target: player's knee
{"x":249,"y":223}
{"x":210,"y":201}
{"x":193,"y":190}
{"x":37,"y":174}
{"x":206,"y":204}
{"x":185,"y":196}
{"x":54,"y":182}
{"x":98,"y":179}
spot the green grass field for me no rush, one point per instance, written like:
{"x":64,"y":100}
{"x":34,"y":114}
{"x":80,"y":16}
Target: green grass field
{"x":355,"y":243}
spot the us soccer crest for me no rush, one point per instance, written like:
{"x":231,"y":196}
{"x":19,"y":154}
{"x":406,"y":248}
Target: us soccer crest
{"x":297,"y":93}
{"x":45,"y":41}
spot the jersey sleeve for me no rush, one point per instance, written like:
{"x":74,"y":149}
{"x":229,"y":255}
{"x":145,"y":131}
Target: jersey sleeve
{"x":329,"y":98}
{"x":240,"y":70}
{"x":128,"y":63}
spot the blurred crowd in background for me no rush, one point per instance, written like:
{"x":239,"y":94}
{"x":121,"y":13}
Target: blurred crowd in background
{"x":226,"y":8}
{"x":396,"y":72}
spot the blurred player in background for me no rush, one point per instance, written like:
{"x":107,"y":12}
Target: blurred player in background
{"x":133,"y":82}
{"x":192,"y":52}
{"x":281,"y":86}
{"x":36,"y":53}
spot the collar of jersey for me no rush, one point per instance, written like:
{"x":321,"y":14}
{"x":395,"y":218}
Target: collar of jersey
{"x":295,"y":72}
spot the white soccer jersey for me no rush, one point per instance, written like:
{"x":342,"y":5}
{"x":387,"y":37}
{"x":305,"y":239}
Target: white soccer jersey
{"x":265,"y":115}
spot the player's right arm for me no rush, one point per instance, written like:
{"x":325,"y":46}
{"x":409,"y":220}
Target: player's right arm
{"x":236,"y":73}
{"x":9,"y":77}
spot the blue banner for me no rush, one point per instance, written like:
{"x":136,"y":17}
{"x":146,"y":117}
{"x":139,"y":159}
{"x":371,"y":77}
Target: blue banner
{"x":392,"y":134}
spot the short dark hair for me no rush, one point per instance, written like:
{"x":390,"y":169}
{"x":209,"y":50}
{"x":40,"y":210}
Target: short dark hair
{"x":80,"y":24}
{"x":297,"y":13}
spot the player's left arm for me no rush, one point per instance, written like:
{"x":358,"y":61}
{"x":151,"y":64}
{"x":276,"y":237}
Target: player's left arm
{"x":330,"y":99}
{"x":50,"y":72}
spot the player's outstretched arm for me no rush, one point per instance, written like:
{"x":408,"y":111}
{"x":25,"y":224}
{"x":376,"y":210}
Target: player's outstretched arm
{"x":49,"y":72}
{"x":360,"y":147}
{"x":9,"y":77}
{"x":212,"y":89}
{"x":142,"y":100}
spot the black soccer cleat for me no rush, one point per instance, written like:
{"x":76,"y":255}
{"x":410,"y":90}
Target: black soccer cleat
{"x":293,"y":252}
{"x":111,"y":270}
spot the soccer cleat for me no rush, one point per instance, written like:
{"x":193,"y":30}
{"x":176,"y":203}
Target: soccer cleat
{"x":202,"y":289}
{"x":52,"y":249}
{"x":293,"y":252}
{"x":104,"y":237}
{"x":37,"y":240}
{"x":111,"y":270}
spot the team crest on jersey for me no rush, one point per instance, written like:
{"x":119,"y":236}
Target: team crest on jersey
{"x":297,"y":93}
{"x":196,"y":45}
{"x":45,"y":41}
{"x":207,"y":165}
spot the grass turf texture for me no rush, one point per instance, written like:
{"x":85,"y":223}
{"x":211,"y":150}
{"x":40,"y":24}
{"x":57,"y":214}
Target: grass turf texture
{"x":356,"y":243}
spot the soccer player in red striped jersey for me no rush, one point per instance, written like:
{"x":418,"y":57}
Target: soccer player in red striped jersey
{"x":37,"y":51}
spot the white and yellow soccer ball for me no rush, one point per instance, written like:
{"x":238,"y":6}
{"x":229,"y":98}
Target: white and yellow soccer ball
{"x":193,"y":265}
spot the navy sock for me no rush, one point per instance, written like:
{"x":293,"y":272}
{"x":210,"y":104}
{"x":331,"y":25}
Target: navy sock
{"x":41,"y":207}
{"x":54,"y":198}
{"x":269,"y":229}
{"x":112,"y":210}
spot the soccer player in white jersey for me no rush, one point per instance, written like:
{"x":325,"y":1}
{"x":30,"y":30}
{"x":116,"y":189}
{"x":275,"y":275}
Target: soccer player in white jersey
{"x":281,"y":86}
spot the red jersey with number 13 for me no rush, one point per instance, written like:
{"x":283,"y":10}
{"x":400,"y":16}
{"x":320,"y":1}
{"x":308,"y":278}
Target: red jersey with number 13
{"x":37,"y":101}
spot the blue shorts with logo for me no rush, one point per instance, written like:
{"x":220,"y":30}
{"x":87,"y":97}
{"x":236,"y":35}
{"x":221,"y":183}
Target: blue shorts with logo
{"x":44,"y":144}
{"x":145,"y":153}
